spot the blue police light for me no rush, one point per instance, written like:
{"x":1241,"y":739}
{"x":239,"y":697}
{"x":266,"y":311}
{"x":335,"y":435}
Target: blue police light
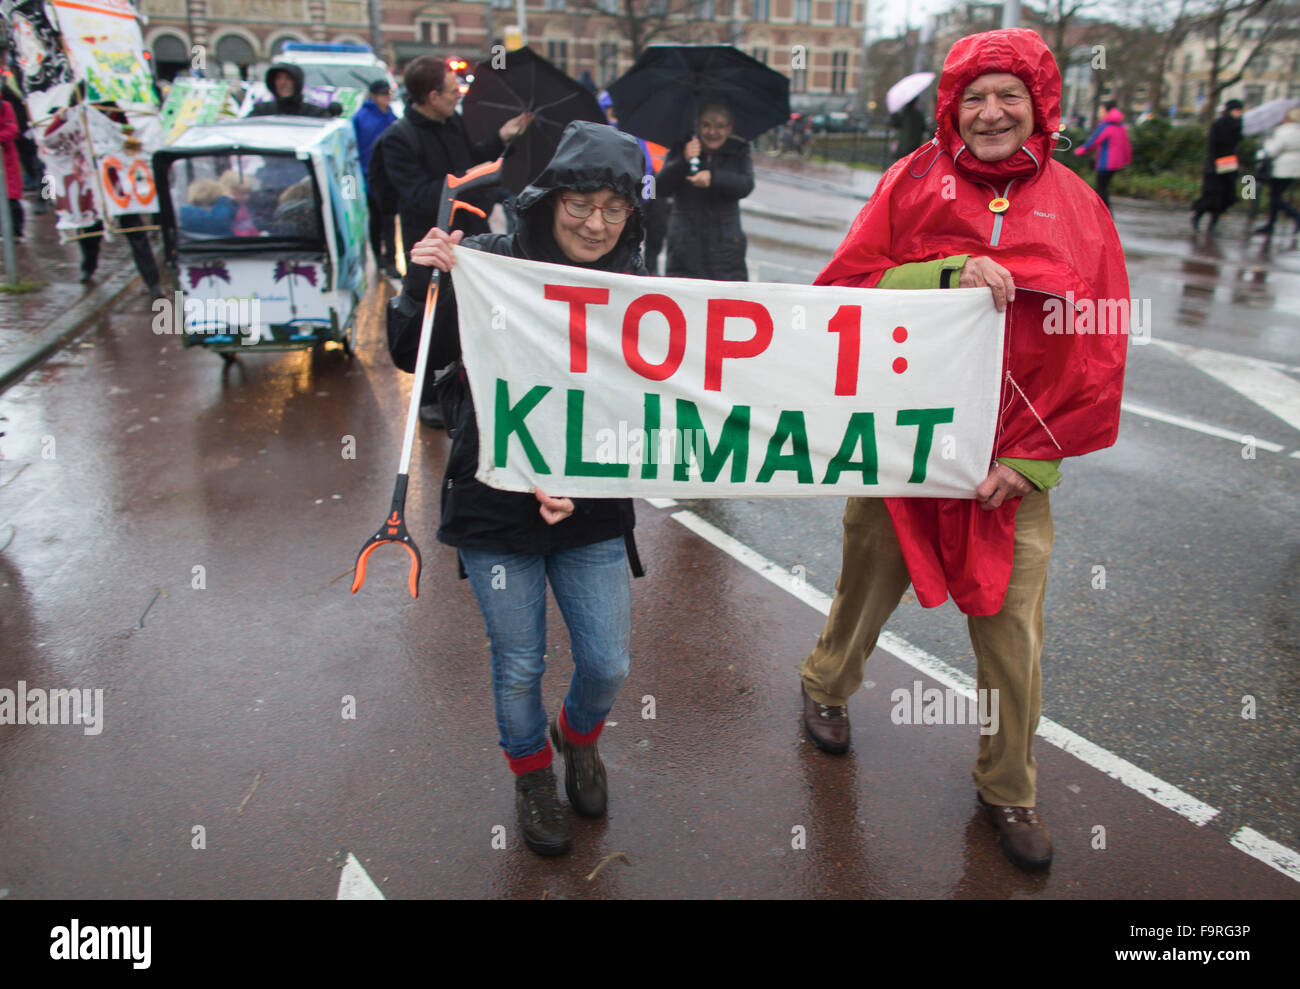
{"x":341,"y":47}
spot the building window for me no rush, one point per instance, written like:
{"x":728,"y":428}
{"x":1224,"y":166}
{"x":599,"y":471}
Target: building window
{"x":843,"y":11}
{"x":608,"y":61}
{"x":760,"y":55}
{"x":803,"y":11}
{"x":556,"y":4}
{"x":799,"y":80}
{"x":762,"y":10}
{"x":704,"y":10}
{"x":435,"y":32}
{"x":557,"y":53}
{"x":1254,"y":95}
{"x":839,"y":71}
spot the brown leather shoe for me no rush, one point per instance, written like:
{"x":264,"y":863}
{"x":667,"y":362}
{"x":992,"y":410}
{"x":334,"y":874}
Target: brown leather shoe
{"x":1021,"y":835}
{"x":827,"y":725}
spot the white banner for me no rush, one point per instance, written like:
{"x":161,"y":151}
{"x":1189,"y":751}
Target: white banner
{"x":598,"y":385}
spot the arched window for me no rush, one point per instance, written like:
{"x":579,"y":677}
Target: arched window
{"x":277,"y":46}
{"x":233,"y":48}
{"x":170,"y":55}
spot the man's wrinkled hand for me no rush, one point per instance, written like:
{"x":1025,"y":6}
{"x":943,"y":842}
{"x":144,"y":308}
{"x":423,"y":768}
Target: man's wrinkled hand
{"x":980,"y":272}
{"x":515,"y":126}
{"x":1001,"y":484}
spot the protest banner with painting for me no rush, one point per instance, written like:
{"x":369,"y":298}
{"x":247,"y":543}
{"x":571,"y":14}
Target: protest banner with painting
{"x":589,"y":384}
{"x":103,"y":42}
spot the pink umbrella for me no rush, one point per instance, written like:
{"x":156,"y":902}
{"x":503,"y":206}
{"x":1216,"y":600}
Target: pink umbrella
{"x":907,"y":89}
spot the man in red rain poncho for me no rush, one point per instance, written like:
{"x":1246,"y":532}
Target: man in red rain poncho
{"x":984,"y":204}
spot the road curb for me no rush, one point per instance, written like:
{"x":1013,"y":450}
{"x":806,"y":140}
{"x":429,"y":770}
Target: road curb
{"x":68,"y":326}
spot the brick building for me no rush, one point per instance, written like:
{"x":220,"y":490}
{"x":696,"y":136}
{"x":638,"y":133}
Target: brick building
{"x":817,"y":43}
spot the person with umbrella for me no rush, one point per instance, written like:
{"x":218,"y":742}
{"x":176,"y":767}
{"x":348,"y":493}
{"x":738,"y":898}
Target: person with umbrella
{"x":416,"y":155}
{"x":1283,"y":149}
{"x":903,"y":101}
{"x":1219,"y":181}
{"x":584,"y":210}
{"x":707,"y":176}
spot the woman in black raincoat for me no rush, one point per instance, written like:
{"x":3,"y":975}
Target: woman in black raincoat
{"x":704,"y":235}
{"x":583,"y":210}
{"x":1219,"y":181}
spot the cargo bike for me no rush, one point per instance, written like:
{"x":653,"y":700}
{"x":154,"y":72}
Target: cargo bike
{"x":264,"y":225}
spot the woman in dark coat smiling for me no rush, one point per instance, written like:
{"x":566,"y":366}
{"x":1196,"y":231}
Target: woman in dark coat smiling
{"x":704,"y":235}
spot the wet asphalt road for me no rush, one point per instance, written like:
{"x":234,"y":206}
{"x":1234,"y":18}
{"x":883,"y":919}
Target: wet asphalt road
{"x":224,"y":686}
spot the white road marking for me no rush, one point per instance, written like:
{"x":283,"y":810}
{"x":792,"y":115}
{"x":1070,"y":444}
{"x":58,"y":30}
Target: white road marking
{"x":1263,"y":382}
{"x":1267,"y":851}
{"x":662,"y":502}
{"x":1200,"y":427}
{"x":355,"y":883}
{"x":1135,"y":778}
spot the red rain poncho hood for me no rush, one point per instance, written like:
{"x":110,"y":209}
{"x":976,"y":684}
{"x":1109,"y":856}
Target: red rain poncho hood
{"x":1062,"y":380}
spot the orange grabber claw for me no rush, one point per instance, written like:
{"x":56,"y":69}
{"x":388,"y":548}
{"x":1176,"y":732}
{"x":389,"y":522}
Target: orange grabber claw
{"x":394,"y":528}
{"x":392,"y":531}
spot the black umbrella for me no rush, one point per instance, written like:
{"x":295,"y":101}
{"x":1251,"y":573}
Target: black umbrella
{"x":526,"y":84}
{"x":659,"y":98}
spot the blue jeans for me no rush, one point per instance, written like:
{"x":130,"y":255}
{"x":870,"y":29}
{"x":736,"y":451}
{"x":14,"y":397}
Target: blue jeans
{"x":591,"y":586}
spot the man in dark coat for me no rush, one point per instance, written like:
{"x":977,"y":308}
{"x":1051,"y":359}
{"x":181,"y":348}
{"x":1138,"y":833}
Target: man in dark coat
{"x":704,"y":235}
{"x":1219,"y":181}
{"x":375,"y":117}
{"x":285,"y":83}
{"x":418,"y":153}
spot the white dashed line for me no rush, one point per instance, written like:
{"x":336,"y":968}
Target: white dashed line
{"x":355,"y":883}
{"x":1135,"y":778}
{"x":1236,"y":436}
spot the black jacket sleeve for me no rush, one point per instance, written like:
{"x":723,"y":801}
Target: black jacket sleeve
{"x":732,"y":176}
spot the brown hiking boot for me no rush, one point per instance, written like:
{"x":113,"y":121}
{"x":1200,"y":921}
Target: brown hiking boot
{"x":827,"y":725}
{"x":584,"y":774}
{"x":1021,"y":835}
{"x":543,"y":824}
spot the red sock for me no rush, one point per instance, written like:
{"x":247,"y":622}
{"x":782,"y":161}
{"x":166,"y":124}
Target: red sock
{"x":577,"y":738}
{"x":526,"y":764}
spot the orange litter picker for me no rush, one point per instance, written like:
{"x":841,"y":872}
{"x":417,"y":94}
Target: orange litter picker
{"x":394,"y":528}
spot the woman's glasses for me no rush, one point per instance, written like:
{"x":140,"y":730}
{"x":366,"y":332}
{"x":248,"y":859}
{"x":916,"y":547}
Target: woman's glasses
{"x":580,"y":209}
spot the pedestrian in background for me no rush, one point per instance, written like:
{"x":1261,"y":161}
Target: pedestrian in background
{"x":1113,"y":149}
{"x":1283,"y":150}
{"x":707,"y":176}
{"x":653,"y":204}
{"x":373,"y":118}
{"x":418,"y":152}
{"x":286,"y":84}
{"x":910,"y":124}
{"x":1219,"y":181}
{"x":13,"y":167}
{"x":583,"y":210}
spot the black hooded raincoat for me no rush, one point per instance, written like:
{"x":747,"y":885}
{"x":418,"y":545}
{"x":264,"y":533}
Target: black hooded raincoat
{"x":590,"y":157}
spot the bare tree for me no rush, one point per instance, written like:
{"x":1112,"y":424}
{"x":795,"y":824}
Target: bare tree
{"x":643,"y":22}
{"x":1233,"y":27}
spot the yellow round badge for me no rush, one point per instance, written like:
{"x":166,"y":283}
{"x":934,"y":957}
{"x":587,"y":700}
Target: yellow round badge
{"x":999,"y":205}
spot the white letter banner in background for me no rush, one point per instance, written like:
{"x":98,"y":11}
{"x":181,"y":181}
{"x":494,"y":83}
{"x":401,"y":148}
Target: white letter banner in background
{"x":590,"y":384}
